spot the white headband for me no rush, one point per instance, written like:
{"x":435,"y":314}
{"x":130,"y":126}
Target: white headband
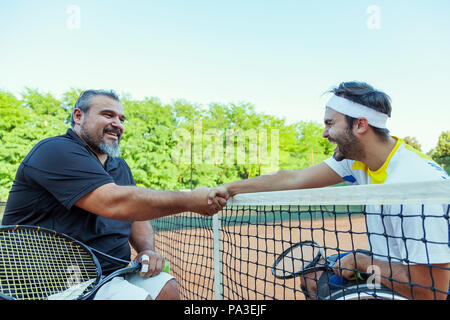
{"x":356,"y":110}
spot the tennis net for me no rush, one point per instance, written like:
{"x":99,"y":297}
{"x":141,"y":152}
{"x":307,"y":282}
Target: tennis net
{"x":403,"y":230}
{"x":2,"y":210}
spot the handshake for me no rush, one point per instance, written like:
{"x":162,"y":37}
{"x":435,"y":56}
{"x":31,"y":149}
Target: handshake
{"x":209,"y":201}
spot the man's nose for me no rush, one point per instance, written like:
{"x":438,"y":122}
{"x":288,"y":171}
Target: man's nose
{"x":117,"y":123}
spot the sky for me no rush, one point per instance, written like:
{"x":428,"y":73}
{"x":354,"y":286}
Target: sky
{"x":280,"y":56}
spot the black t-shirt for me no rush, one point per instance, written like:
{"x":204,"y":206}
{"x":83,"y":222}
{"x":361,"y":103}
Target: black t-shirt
{"x":58,"y":172}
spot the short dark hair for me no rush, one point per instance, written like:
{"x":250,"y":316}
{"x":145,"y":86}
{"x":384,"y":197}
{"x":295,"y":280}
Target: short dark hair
{"x":83,"y":101}
{"x":365,"y":94}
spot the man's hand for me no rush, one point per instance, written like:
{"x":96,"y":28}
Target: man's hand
{"x":201,"y":203}
{"x":220,"y":192}
{"x":152,"y":263}
{"x":419,"y":281}
{"x":346,"y":266}
{"x":308,"y":282}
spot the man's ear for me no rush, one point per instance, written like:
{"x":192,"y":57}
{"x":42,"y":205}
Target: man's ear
{"x":361,"y":125}
{"x":77,"y":116}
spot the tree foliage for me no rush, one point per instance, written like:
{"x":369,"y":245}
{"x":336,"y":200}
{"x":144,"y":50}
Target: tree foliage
{"x":174,"y":146}
{"x":441,"y":154}
{"x":413,"y":142}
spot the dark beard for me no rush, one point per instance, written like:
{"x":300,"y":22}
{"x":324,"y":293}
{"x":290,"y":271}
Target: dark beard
{"x":349,"y":147}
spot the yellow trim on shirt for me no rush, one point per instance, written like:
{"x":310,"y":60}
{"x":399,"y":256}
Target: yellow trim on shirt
{"x":358,"y":165}
{"x":379,"y":176}
{"x":420,"y":154}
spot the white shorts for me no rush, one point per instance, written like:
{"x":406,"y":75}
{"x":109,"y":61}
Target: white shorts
{"x":133,"y":287}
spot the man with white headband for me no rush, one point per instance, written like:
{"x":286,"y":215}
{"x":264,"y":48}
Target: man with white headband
{"x":355,"y":120}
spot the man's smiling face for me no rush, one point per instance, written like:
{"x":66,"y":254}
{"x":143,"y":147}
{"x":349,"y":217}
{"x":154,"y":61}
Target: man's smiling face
{"x":338,"y":132}
{"x":102,"y":126}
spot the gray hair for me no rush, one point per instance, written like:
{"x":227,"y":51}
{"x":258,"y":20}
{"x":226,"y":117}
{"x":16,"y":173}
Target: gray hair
{"x":83,"y":102}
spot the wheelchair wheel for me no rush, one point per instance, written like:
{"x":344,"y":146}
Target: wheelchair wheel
{"x":364,"y":292}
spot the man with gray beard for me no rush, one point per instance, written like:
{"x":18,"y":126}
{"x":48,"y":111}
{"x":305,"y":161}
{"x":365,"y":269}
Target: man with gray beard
{"x":98,"y":144}
{"x":77,"y":185}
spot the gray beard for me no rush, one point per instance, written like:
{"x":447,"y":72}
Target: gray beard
{"x":111,"y":150}
{"x":104,"y":148}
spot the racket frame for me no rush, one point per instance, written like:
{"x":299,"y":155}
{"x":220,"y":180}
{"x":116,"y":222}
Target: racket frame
{"x":310,"y":267}
{"x":100,"y":280}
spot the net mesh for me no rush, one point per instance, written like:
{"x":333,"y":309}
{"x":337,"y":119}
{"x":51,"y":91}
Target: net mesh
{"x":403,"y":227}
{"x":2,"y":210}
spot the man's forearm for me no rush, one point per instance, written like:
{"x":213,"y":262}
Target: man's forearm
{"x":129,"y":203}
{"x":390,"y":275}
{"x":142,"y":204}
{"x":280,"y":180}
{"x":410,"y":281}
{"x":142,"y":236}
{"x":142,"y":240}
{"x":317,"y":176}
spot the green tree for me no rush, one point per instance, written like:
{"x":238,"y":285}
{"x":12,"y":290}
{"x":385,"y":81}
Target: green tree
{"x":12,"y":117}
{"x":23,"y":122}
{"x":441,"y":154}
{"x":413,"y":142}
{"x":186,"y":116}
{"x":147,"y":143}
{"x":312,"y":147}
{"x":68,"y":102}
{"x":225,"y":142}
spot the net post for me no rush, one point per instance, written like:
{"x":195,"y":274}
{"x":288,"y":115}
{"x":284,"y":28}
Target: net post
{"x":218,"y":280}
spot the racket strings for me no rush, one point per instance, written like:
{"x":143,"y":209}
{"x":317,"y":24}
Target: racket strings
{"x":297,"y":258}
{"x":35,"y":265}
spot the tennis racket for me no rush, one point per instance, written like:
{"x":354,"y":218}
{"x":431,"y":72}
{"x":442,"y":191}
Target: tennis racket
{"x":302,"y":258}
{"x":41,"y":264}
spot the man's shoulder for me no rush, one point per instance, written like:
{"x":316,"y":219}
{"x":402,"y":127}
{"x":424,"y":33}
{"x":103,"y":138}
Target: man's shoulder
{"x":55,"y":150}
{"x":412,"y":164}
{"x":56,"y":143}
{"x":351,"y":173}
{"x":343,"y":164}
{"x":53,"y":141}
{"x":44,"y":147}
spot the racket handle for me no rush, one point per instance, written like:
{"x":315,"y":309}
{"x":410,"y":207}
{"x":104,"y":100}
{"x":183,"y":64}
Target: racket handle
{"x":166,"y":267}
